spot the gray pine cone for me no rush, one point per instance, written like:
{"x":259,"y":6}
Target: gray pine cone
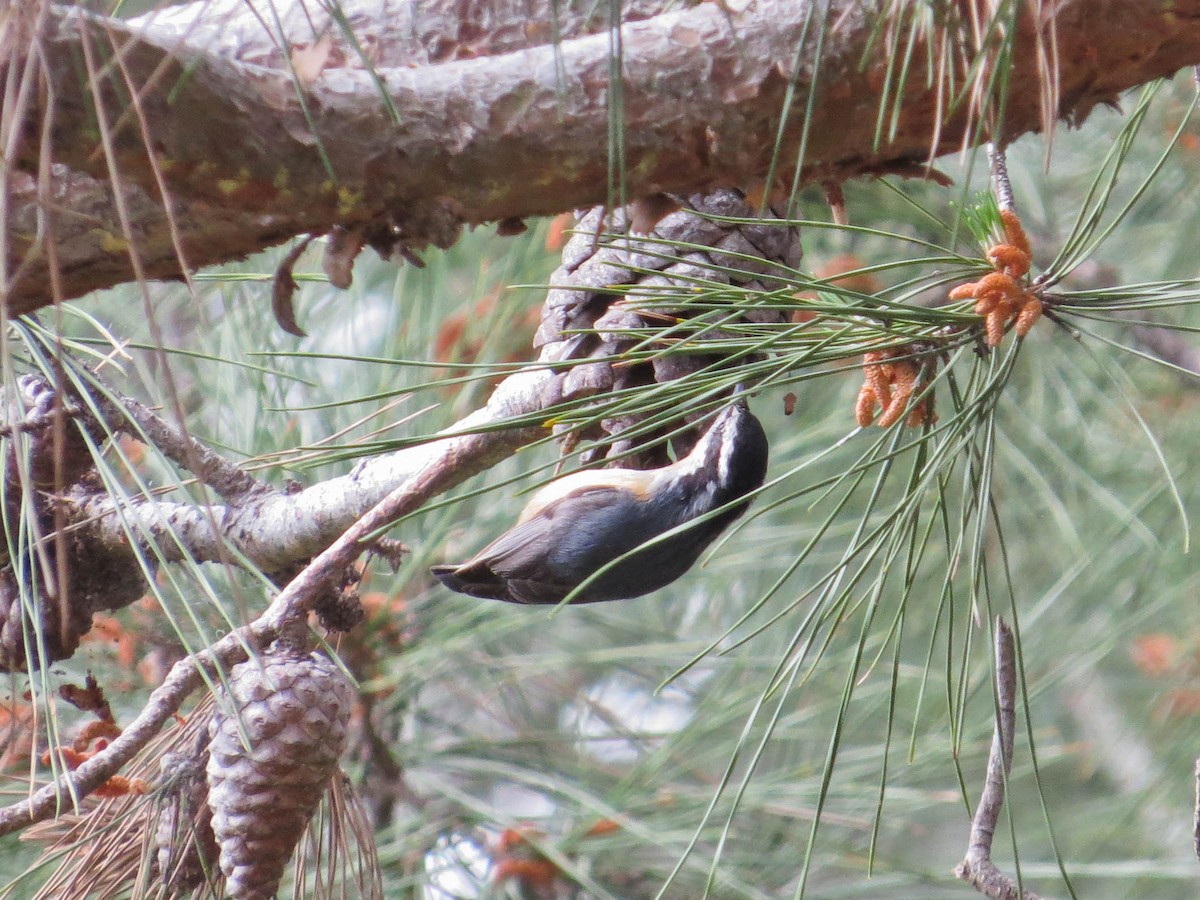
{"x":712,"y":238}
{"x":293,"y":708}
{"x":187,"y":849}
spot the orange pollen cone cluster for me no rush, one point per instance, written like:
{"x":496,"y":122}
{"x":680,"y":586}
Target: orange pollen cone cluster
{"x":1002,"y":295}
{"x":889,"y":384}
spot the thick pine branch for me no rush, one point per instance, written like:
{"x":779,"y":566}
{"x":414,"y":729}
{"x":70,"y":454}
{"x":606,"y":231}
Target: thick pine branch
{"x":275,"y":530}
{"x":521,"y":129}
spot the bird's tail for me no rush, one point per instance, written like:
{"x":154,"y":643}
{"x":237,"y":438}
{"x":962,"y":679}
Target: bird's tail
{"x":448,"y":575}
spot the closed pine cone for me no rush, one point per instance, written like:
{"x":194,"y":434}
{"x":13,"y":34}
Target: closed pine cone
{"x":293,"y":708}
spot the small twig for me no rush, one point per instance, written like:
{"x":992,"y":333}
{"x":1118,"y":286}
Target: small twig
{"x":1004,"y":191}
{"x":229,"y":480}
{"x":977,"y":867}
{"x":38,"y":421}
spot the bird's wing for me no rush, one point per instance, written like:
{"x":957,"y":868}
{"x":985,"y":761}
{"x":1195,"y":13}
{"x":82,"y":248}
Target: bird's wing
{"x":577,"y":484}
{"x":517,"y":565}
{"x":526,"y":542}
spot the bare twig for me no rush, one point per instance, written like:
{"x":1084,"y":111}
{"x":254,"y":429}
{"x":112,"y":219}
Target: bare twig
{"x":454,"y":458}
{"x":229,"y":480}
{"x":977,"y":867}
{"x":999,"y":163}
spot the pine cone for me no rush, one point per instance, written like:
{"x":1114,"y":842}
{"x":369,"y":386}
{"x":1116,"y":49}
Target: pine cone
{"x":293,"y":708}
{"x":61,"y":625}
{"x":187,"y":848}
{"x":97,"y":578}
{"x":36,"y":399}
{"x":605,"y":259}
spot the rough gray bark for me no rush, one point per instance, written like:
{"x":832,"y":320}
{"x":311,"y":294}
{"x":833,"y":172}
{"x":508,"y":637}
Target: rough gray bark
{"x":490,"y":122}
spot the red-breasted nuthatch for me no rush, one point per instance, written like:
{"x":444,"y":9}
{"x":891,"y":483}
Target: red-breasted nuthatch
{"x":578,"y":524}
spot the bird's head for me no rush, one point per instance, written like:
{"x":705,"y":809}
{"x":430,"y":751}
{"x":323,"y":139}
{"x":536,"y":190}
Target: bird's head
{"x":731,"y":456}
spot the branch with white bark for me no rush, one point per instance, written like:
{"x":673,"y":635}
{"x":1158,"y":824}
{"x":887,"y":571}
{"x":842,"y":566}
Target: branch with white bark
{"x":977,"y":867}
{"x":274,"y":530}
